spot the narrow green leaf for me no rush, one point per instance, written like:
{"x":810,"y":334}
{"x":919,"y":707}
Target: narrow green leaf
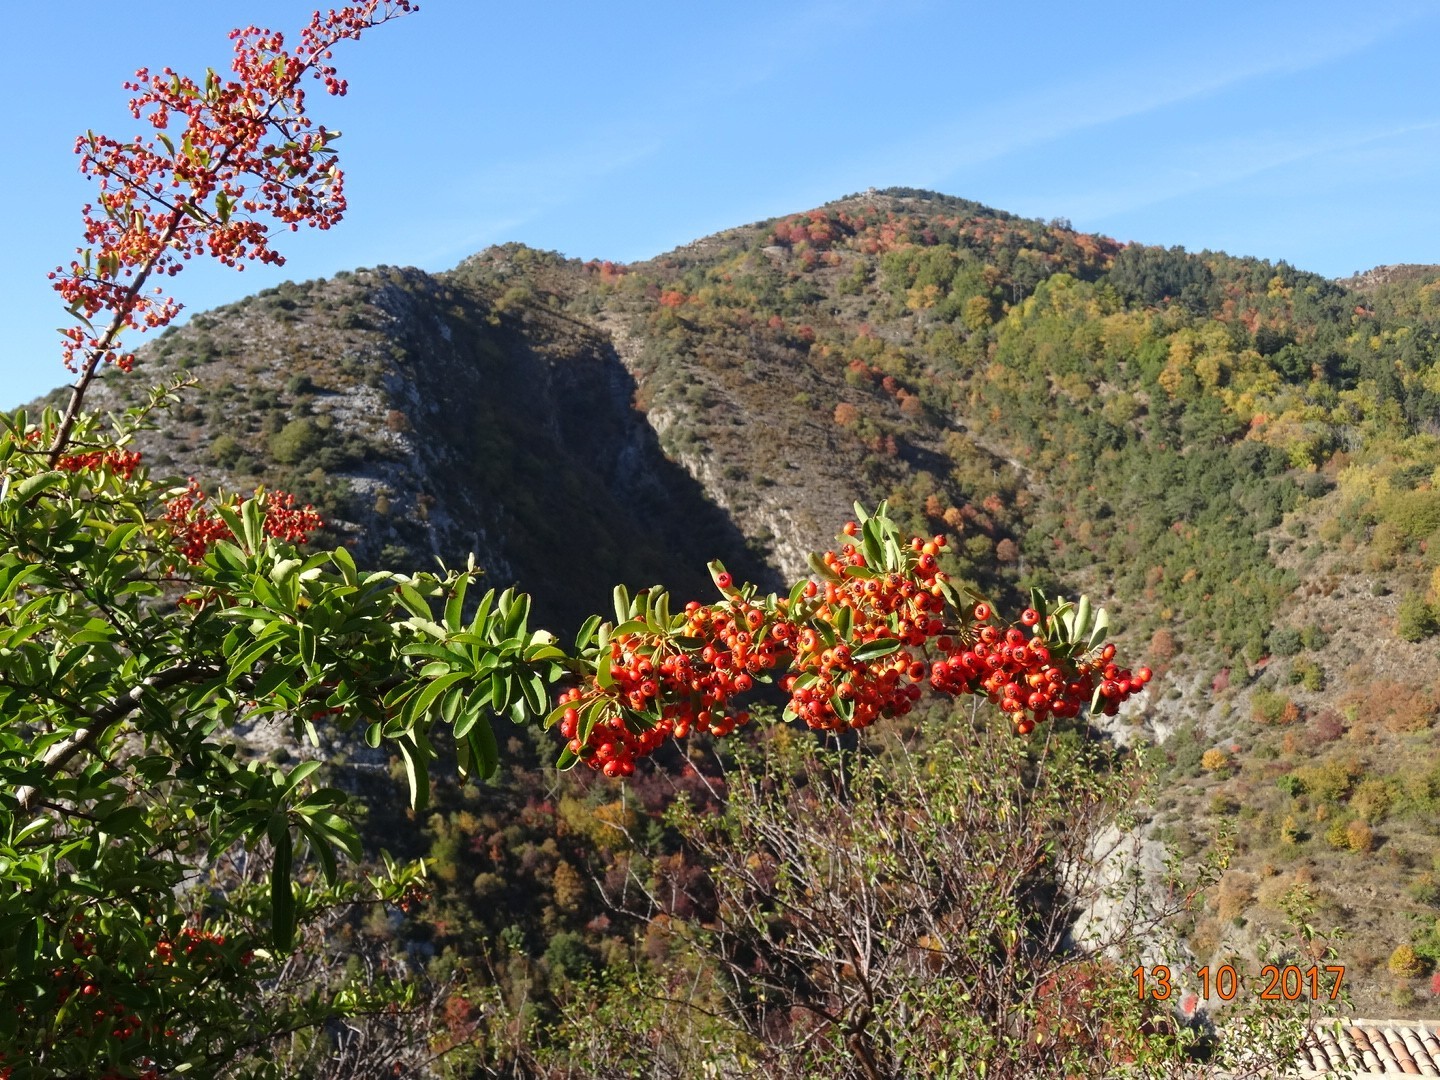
{"x":417,"y":770}
{"x":873,"y":650}
{"x":821,"y":570}
{"x":456,"y":603}
{"x":321,"y":849}
{"x":586,"y":632}
{"x":342,"y":559}
{"x":282,"y":892}
{"x":515,"y":619}
{"x":298,"y":774}
{"x":482,"y":746}
{"x":422,"y":701}
{"x":32,"y":486}
{"x":870,"y":544}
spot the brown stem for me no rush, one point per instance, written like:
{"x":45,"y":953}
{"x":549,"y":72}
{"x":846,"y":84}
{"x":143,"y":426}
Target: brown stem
{"x":94,"y":354}
{"x":65,"y":751}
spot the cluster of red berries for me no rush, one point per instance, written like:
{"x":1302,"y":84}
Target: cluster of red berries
{"x":844,"y":688}
{"x":122,"y":463}
{"x":195,"y":527}
{"x":247,"y":150}
{"x":1021,"y":677}
{"x":285,"y":521}
{"x":95,"y":1012}
{"x":857,"y":648}
{"x":657,"y":688}
{"x":413,"y":897}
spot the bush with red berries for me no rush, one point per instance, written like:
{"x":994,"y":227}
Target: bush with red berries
{"x":856,"y":643}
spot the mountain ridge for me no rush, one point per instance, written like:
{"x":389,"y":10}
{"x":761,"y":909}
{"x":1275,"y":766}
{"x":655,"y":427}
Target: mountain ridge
{"x":1240,"y":458}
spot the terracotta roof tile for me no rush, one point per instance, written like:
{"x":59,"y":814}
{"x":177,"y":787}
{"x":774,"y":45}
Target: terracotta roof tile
{"x":1371,"y":1048}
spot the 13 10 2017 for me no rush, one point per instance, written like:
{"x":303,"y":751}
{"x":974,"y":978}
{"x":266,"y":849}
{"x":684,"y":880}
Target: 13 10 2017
{"x":1275,"y":983}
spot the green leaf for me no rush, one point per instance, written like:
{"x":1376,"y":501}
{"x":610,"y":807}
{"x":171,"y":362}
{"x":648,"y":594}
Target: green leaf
{"x":482,"y":746}
{"x":1102,"y":628}
{"x":870,"y":544}
{"x":417,"y":770}
{"x":298,"y":774}
{"x":32,"y":486}
{"x":586,"y":633}
{"x":465,"y":722}
{"x":555,"y":715}
{"x":873,"y":650}
{"x":420,"y":704}
{"x":533,"y":689}
{"x":817,"y":563}
{"x":321,"y":849}
{"x":500,"y":689}
{"x":413,"y":601}
{"x":456,"y":603}
{"x":826,"y":631}
{"x":451,"y":705}
{"x":482,"y":613}
{"x":346,"y":563}
{"x":252,"y":516}
{"x":120,"y":822}
{"x":622,"y":604}
{"x":515,"y":618}
{"x":282,"y":891}
{"x":1081,"y":625}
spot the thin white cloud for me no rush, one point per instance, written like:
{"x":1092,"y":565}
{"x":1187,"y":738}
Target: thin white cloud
{"x":1228,"y":163}
{"x":512,"y":192}
{"x":1120,"y":93}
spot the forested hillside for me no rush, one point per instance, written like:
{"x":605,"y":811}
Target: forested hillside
{"x":1241,"y":459}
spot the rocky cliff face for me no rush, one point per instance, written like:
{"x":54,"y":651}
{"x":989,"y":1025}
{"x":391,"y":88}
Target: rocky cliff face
{"x":426,"y":424}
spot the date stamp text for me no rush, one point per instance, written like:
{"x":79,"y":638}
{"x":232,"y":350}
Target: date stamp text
{"x":1276,"y":983}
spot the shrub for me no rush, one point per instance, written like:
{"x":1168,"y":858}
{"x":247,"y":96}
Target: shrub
{"x":296,"y":441}
{"x":1235,"y":893}
{"x":1284,"y":641}
{"x":1290,"y":831}
{"x":1359,"y":837}
{"x":1400,"y":709}
{"x":1268,"y":707}
{"x":1424,"y":889}
{"x":1326,"y":726}
{"x":1405,"y":963}
{"x":1416,"y":620}
{"x":1371,"y":800}
{"x":1214,"y":759}
{"x":225,"y":451}
{"x":1337,"y":836}
{"x":1331,"y":779}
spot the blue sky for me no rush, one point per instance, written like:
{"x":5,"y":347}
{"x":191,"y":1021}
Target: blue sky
{"x":1301,"y":131}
